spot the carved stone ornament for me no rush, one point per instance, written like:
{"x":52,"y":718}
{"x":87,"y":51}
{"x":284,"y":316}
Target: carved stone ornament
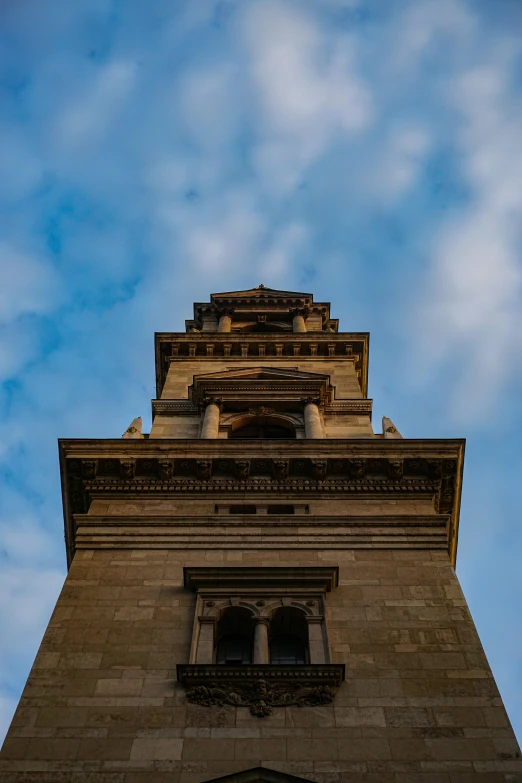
{"x":260,"y":696}
{"x":165,"y":469}
{"x":127,"y":468}
{"x":281,"y":468}
{"x":242,"y":468}
{"x":319,"y":468}
{"x":357,"y":467}
{"x":203,"y":468}
{"x":261,"y":410}
{"x":395,"y":468}
{"x":88,"y":469}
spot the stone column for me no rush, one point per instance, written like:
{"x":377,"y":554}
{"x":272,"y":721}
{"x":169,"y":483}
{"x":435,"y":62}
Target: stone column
{"x":205,"y":648}
{"x":298,"y":320}
{"x":210,"y":427}
{"x":225,"y":320}
{"x":315,"y":639}
{"x":313,"y":426}
{"x":261,"y":652}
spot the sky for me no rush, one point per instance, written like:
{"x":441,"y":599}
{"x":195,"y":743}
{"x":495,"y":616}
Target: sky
{"x":366,"y":151}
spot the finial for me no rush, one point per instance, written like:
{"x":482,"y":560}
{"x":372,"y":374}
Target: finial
{"x":261,"y":285}
{"x":389,"y":430}
{"x":134,"y":429}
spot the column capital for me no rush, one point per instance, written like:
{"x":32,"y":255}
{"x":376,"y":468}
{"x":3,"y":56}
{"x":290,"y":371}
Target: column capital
{"x":310,"y":401}
{"x":217,"y":401}
{"x":262,"y":621}
{"x":221,"y":311}
{"x":304,"y":312}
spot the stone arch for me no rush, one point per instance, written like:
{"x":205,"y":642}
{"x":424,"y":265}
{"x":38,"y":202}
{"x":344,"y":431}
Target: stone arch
{"x":246,"y":419}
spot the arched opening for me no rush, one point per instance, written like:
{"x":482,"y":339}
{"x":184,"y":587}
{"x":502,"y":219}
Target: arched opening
{"x":235,"y":634}
{"x":288,"y":637}
{"x":265,"y":427}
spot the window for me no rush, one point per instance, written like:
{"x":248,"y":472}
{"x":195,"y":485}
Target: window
{"x":235,"y":637}
{"x":266,"y":431}
{"x":260,"y":614}
{"x":287,"y":649}
{"x":242,"y":510}
{"x":281,"y":509}
{"x":288,"y":636}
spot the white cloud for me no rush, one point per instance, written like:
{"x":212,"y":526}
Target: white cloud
{"x":91,"y":113}
{"x":276,"y":264}
{"x":472,"y":309}
{"x":29,"y":285}
{"x":398,"y":163}
{"x":307,"y":88}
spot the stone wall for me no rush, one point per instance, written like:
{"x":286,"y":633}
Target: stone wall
{"x":102,"y":703}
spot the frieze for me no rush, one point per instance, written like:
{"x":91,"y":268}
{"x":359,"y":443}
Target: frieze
{"x":261,"y":688}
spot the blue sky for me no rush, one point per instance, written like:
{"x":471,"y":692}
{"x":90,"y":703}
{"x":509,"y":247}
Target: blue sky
{"x":154,"y":152}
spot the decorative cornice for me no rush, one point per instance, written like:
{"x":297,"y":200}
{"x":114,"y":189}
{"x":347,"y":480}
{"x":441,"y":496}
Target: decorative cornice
{"x":324,"y":578}
{"x":261,"y":687}
{"x":180,"y":346}
{"x":387,"y":469}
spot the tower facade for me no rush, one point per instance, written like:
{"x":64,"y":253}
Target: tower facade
{"x":262,"y":588}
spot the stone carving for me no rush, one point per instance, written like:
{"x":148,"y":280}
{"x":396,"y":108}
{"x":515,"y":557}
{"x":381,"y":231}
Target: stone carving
{"x":395,"y":468}
{"x":310,"y":401}
{"x":260,"y":696}
{"x":281,"y":468}
{"x":203,"y":468}
{"x":434,"y":467}
{"x":127,"y":468}
{"x":319,"y":468}
{"x":134,"y":430}
{"x":165,"y":469}
{"x":242,"y":468}
{"x":389,"y":430}
{"x":261,"y":410}
{"x":357,"y":468}
{"x":89,"y":469}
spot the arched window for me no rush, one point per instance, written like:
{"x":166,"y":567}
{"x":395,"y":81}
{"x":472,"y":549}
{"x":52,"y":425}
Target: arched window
{"x":287,"y":649}
{"x":264,"y":427}
{"x":235,"y":632}
{"x":234,"y":649}
{"x":288,"y":637}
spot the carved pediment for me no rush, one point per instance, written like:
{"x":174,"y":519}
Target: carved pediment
{"x":261,"y":292}
{"x":263,"y":373}
{"x":258,"y":384}
{"x":259,"y":775}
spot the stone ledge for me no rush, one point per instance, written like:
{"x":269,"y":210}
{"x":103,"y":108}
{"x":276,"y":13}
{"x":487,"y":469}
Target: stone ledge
{"x":261,"y":687}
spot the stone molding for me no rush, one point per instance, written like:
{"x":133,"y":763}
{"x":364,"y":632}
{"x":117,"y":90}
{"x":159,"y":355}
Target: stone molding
{"x":263,"y":532}
{"x":373,"y":468}
{"x":261,"y":687}
{"x":313,"y":346}
{"x":242,"y":579}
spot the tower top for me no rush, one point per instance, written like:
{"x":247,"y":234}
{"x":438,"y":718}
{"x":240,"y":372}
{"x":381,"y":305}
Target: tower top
{"x":261,"y":305}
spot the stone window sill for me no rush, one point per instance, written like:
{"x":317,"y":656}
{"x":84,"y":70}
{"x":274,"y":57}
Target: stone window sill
{"x":260,"y":687}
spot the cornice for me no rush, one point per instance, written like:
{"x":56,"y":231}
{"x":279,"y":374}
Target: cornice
{"x":188,"y":408}
{"x":240,"y":347}
{"x":323,"y":578}
{"x":261,"y":687}
{"x":107,"y":469}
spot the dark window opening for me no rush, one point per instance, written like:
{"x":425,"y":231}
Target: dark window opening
{"x":235,"y":633}
{"x":242,"y":510}
{"x":234,"y":650}
{"x":287,"y":649}
{"x":281,"y":509}
{"x":266,"y":431}
{"x":288,"y":637}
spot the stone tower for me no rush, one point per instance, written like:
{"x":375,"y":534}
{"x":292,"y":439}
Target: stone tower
{"x":262,"y":588}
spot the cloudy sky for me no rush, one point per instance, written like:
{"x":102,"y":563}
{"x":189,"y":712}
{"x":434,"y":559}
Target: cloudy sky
{"x":369,"y":152}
